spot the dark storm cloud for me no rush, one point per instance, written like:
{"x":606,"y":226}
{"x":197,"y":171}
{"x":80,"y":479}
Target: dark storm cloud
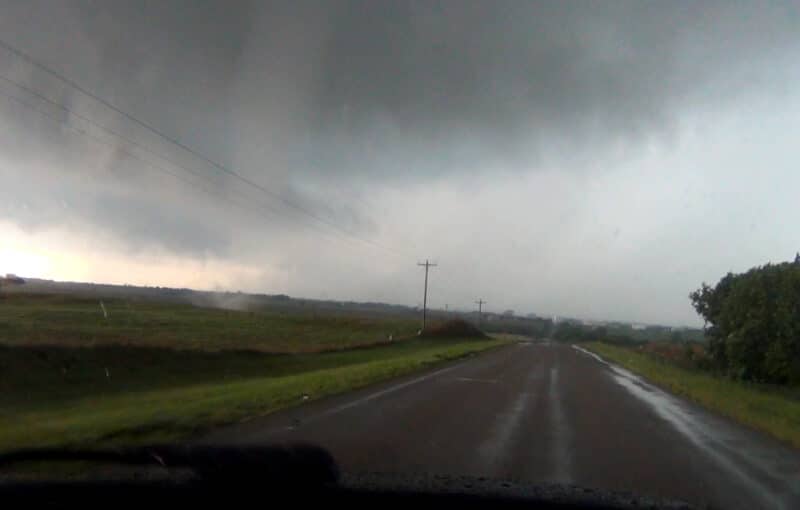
{"x":510,"y":73}
{"x":350,"y":78}
{"x":298,"y":95}
{"x":110,"y":197}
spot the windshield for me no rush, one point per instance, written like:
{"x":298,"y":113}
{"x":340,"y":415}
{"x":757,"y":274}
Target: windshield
{"x":553,"y":242}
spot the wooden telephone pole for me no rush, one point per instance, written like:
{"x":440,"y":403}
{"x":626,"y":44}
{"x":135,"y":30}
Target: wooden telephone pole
{"x":427,"y":265}
{"x":480,"y":304}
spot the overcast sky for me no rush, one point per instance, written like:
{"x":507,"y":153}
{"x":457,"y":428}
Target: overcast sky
{"x":597,"y":160}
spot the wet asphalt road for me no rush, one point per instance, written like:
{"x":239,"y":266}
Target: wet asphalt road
{"x":543,"y":413}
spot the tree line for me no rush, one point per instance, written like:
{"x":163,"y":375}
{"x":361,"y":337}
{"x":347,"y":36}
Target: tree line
{"x":752,"y":323}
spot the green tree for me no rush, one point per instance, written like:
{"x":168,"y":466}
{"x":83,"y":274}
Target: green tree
{"x":752,"y":323}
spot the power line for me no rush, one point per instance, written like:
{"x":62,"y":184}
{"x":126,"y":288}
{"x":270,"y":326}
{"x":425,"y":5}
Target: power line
{"x":100,"y":126}
{"x":148,"y":127}
{"x":150,"y":164}
{"x":93,"y":137}
{"x":350,"y":194}
{"x":127,"y":140}
{"x":24,"y":56}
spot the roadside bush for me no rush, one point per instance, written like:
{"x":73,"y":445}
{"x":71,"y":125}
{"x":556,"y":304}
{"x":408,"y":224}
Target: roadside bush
{"x":753,"y":323}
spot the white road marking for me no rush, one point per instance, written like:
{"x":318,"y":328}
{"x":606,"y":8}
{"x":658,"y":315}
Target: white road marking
{"x":387,"y":391}
{"x":470,"y":379}
{"x":589,"y":353}
{"x":559,"y":428}
{"x":260,"y":434}
{"x":496,"y":447}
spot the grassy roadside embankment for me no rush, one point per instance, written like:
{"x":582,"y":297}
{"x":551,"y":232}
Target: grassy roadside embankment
{"x":152,"y":372}
{"x":770,"y":410}
{"x":170,"y":412}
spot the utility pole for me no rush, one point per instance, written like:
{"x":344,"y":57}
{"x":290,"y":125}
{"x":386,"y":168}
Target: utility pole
{"x":480,"y":304}
{"x":427,"y":265}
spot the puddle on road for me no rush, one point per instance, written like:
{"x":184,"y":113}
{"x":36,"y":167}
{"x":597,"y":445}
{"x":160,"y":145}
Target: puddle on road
{"x":497,"y":447}
{"x":729,"y":448}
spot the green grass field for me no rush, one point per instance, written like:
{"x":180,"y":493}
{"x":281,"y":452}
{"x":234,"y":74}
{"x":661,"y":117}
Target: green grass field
{"x":771,"y":410}
{"x":161,"y":372}
{"x":68,"y":321}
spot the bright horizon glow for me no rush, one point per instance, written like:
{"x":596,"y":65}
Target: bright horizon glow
{"x":23,"y":255}
{"x":591,"y":163}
